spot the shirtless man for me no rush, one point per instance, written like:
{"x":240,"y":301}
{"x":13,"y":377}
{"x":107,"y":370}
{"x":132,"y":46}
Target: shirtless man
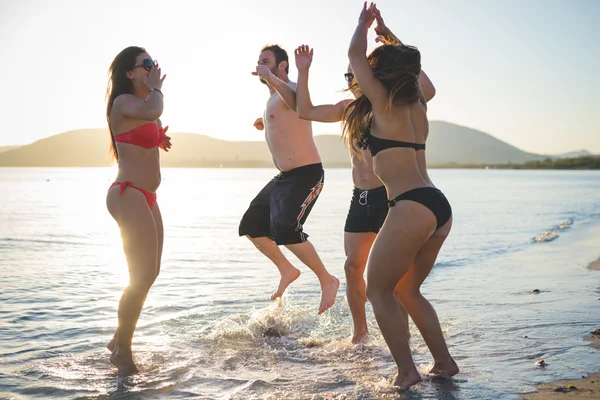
{"x":369,"y":205}
{"x":276,"y":215}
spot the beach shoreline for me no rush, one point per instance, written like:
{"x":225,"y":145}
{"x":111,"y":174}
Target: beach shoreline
{"x":586,"y":387}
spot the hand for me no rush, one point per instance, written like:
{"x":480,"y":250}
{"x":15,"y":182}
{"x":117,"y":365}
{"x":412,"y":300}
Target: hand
{"x":154,"y":80}
{"x":166,"y":142}
{"x":259,"y":124}
{"x":367,"y":16}
{"x":381,"y":29}
{"x":264,"y":73}
{"x":304,"y":55}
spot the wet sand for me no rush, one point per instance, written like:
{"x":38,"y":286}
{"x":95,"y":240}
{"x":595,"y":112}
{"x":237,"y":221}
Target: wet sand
{"x":584,"y":388}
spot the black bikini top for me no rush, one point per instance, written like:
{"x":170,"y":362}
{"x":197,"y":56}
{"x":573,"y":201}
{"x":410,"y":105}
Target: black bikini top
{"x":376,"y":144}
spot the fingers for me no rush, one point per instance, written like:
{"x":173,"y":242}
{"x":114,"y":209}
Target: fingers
{"x":302,"y":49}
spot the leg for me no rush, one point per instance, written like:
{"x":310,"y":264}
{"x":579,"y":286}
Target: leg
{"x":329,"y":283}
{"x":288,"y":272}
{"x":160,"y":235}
{"x":256,"y":226}
{"x":290,"y":205}
{"x":140,"y":243}
{"x":357,"y":247}
{"x":420,"y":310}
{"x":406,"y":229}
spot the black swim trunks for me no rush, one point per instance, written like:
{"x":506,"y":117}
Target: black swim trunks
{"x":282,"y":206}
{"x":368,"y":210}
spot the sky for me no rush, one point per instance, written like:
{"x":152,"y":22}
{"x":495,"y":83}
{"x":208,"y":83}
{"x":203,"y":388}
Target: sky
{"x":524,"y":71}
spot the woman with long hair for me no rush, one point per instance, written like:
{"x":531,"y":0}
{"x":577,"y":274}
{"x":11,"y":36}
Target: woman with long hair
{"x":368,"y":204}
{"x":394,"y":110}
{"x":134,"y":107}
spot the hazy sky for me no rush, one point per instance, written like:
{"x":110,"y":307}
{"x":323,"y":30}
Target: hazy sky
{"x":525,"y":71}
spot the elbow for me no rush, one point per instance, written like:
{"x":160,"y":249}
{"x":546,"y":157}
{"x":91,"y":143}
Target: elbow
{"x":302,"y":113}
{"x":431,"y":93}
{"x":428,"y":92}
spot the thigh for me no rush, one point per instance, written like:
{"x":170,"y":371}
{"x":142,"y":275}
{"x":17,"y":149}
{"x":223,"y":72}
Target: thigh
{"x":407,"y":227}
{"x":293,"y":200}
{"x":138,"y":233}
{"x":424,"y":261}
{"x":358,"y":219}
{"x":357,"y":247}
{"x":159,"y":234}
{"x":256,"y":220}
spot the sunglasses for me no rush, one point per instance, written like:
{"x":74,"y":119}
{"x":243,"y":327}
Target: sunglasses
{"x":349,"y":76}
{"x":147,"y":64}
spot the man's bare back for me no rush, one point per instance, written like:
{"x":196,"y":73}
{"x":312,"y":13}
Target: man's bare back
{"x":289,"y":138}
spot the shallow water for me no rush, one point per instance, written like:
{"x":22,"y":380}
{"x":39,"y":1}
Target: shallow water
{"x":208,"y":330}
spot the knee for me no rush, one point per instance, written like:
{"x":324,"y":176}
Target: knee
{"x":144,"y":283}
{"x":353,"y":267}
{"x":406,"y":294}
{"x":378,"y":292}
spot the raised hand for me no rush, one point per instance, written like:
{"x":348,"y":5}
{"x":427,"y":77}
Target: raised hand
{"x":381,"y":29}
{"x":304,"y":55}
{"x":154,"y":79}
{"x":367,"y":15}
{"x":259,"y":124}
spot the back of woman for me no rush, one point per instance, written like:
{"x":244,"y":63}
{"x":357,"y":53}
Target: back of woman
{"x":419,"y":217}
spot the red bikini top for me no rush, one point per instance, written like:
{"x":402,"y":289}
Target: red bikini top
{"x":147,"y":135}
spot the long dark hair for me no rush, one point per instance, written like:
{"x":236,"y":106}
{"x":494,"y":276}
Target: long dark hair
{"x":398,"y":68}
{"x":118,"y":84}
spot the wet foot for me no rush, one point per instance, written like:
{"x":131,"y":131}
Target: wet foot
{"x":360,"y":336}
{"x":445,"y":370}
{"x":112,"y":343}
{"x":286,"y":278}
{"x":404,"y":382}
{"x":123,"y":360}
{"x":328,"y":293}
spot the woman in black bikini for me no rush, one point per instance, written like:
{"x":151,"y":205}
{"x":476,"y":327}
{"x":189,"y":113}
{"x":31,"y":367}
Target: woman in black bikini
{"x":420,"y":217}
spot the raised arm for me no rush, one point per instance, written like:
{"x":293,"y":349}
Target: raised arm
{"x":149,"y":109}
{"x":286,"y":90}
{"x":304,"y":106}
{"x":370,"y":86}
{"x":386,"y":36}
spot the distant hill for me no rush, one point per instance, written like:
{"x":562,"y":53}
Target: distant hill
{"x":573,"y":154}
{"x":7,"y":148}
{"x":447,"y":144}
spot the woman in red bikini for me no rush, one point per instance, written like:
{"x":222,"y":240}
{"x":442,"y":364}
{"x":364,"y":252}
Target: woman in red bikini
{"x":134,"y":107}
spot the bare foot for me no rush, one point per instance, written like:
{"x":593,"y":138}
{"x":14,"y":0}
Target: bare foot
{"x":445,"y":370}
{"x":123,"y":360}
{"x":328,"y":293}
{"x":112,"y":343}
{"x":404,"y":382}
{"x":286,"y":278}
{"x":360,"y":335}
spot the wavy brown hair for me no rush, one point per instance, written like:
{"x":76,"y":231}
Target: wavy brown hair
{"x":398,"y":68}
{"x":118,"y":84}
